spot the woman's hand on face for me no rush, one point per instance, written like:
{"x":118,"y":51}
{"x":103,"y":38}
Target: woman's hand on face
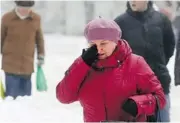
{"x":90,"y":55}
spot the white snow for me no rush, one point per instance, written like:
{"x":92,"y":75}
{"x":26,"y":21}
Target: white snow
{"x":43,"y":107}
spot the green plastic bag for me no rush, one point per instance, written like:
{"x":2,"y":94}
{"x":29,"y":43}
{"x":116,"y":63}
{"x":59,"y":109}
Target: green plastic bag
{"x":2,"y":92}
{"x":41,"y":83}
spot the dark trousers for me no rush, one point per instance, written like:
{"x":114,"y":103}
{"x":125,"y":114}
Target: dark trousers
{"x":17,"y":85}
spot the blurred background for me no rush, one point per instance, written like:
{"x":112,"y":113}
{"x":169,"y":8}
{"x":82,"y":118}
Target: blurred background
{"x":70,"y":17}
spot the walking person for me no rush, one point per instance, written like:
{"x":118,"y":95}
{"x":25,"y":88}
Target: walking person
{"x":176,"y":24}
{"x":111,"y":83}
{"x":150,"y":35}
{"x":20,"y":35}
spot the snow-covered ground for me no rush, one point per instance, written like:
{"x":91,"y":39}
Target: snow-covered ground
{"x":43,"y":107}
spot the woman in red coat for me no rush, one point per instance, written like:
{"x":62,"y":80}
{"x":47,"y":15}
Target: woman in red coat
{"x":110,"y":82}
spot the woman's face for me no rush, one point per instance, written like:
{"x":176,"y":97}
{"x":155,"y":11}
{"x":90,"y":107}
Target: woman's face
{"x":105,"y":47}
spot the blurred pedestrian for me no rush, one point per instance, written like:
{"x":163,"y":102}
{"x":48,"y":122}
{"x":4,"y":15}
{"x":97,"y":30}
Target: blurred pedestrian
{"x":176,"y":24}
{"x":150,"y":35}
{"x":176,"y":28}
{"x":177,"y":61}
{"x":20,"y":34}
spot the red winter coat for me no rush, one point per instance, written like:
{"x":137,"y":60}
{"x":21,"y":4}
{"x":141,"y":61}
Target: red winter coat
{"x":102,"y":92}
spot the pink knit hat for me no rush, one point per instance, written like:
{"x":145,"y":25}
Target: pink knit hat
{"x":102,"y":29}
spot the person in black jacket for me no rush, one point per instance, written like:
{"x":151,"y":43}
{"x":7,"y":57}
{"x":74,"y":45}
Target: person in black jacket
{"x":150,"y":35}
{"x":176,"y":24}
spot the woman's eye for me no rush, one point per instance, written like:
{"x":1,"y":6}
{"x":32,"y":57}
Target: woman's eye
{"x":103,"y":43}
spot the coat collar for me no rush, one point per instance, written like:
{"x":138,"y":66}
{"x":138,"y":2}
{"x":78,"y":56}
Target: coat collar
{"x":15,"y":16}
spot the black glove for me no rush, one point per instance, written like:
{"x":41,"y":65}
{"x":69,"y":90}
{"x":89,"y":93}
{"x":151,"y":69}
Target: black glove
{"x":130,"y":107}
{"x":90,"y":55}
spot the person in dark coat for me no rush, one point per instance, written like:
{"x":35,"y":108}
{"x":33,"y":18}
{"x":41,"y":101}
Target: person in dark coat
{"x":21,"y":34}
{"x":110,"y":82}
{"x":176,"y":28}
{"x":176,"y":24}
{"x":150,"y":35}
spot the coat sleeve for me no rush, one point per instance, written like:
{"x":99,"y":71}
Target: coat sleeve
{"x":168,"y":39}
{"x":68,"y":88}
{"x":148,"y":85}
{"x":3,"y":32}
{"x":177,"y":62}
{"x":40,"y":40}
